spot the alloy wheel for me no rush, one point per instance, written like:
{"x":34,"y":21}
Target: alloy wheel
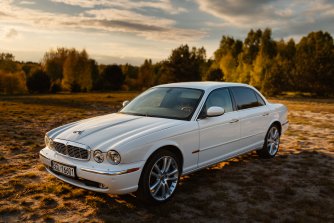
{"x":273,"y":141}
{"x":163,"y":178}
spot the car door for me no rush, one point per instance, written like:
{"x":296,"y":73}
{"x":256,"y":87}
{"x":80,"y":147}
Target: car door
{"x":253,"y":117}
{"x":218,"y":135}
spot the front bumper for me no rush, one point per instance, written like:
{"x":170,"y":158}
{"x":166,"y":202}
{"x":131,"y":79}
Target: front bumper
{"x":103,"y":177}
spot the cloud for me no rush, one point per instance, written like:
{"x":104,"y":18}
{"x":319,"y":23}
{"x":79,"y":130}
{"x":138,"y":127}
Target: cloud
{"x":2,"y":14}
{"x":12,"y":33}
{"x":27,"y":2}
{"x":163,"y":5}
{"x":105,"y":19}
{"x":287,"y":17}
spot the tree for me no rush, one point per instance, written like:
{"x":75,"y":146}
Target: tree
{"x":38,"y":82}
{"x":12,"y":83}
{"x":251,"y":46}
{"x":53,"y":63}
{"x":112,"y":78}
{"x":183,"y":65}
{"x":286,"y":59}
{"x":77,"y":72}
{"x":273,"y":82}
{"x":131,"y":75}
{"x":146,"y":75}
{"x":7,"y":62}
{"x":214,"y":74}
{"x":226,"y":57}
{"x":228,"y":65}
{"x":228,"y":45}
{"x":94,"y":69}
{"x":314,"y":64}
{"x":264,"y":58}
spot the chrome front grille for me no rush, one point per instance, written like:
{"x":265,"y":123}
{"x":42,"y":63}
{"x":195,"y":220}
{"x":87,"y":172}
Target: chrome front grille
{"x":72,"y":151}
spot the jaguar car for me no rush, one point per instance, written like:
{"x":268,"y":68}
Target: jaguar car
{"x":164,"y":133}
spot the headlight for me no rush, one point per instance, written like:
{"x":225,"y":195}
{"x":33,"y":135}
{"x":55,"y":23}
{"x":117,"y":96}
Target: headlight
{"x":48,"y":142}
{"x":113,"y":157}
{"x":98,"y":156}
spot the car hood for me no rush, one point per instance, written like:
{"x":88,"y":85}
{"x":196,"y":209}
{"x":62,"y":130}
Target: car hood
{"x":104,"y":132}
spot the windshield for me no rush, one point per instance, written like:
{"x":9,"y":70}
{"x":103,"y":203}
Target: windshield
{"x":165,"y":102}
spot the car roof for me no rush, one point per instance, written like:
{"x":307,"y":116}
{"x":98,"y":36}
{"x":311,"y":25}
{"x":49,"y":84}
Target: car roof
{"x":204,"y":85}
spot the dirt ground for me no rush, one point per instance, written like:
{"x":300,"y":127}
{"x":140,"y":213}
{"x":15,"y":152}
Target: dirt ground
{"x":296,"y":186}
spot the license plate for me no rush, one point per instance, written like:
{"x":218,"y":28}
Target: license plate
{"x":63,"y":169}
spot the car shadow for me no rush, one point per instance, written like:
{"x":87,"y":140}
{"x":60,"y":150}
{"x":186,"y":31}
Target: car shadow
{"x":244,"y":181}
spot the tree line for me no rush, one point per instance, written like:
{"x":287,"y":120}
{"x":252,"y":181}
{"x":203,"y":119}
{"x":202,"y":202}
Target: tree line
{"x":271,"y":66}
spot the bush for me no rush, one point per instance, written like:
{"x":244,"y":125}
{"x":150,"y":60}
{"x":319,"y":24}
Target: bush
{"x":12,"y":83}
{"x":55,"y":88}
{"x":38,"y":82}
{"x":112,"y":78}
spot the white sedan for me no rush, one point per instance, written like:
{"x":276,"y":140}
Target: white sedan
{"x":167,"y":131}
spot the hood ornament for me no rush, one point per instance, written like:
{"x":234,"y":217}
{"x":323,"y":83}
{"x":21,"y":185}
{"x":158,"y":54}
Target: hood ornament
{"x":79,"y":132}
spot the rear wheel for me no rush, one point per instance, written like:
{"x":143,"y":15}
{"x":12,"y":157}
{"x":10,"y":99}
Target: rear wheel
{"x":271,"y":143}
{"x":160,"y":177}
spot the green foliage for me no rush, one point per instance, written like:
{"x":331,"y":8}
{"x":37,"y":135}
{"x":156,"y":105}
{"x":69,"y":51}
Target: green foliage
{"x":53,"y":63}
{"x":77,"y":72}
{"x":228,"y":45}
{"x":94,"y":69}
{"x":251,"y":46}
{"x":29,"y":67}
{"x":214,"y":74}
{"x":183,"y":64}
{"x":269,"y":65}
{"x":314,"y":64}
{"x":112,"y":78}
{"x":276,"y":66}
{"x":38,"y":82}
{"x":273,"y":83}
{"x":146,"y":75}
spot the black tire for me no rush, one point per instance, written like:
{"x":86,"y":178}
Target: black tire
{"x":271,"y":145}
{"x":147,"y":177}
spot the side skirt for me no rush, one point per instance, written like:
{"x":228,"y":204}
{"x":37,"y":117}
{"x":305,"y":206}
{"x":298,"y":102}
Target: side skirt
{"x":224,"y":159}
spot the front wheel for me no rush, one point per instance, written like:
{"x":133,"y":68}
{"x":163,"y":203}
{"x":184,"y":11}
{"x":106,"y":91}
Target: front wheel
{"x":160,"y":177}
{"x":271,"y":143}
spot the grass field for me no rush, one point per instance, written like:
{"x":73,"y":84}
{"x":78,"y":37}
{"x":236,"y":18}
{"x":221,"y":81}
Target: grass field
{"x":296,"y":186}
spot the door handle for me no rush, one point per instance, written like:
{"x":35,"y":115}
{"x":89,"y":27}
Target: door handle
{"x":265,"y":114}
{"x":234,"y":120}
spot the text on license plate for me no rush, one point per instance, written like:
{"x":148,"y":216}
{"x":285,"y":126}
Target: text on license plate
{"x":64,"y":169}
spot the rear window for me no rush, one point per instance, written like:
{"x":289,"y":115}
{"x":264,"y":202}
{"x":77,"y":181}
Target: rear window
{"x":245,"y":98}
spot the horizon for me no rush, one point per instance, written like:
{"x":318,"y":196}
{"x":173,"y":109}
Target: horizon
{"x":127,"y":31}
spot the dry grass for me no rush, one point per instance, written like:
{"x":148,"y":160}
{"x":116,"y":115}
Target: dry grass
{"x":296,"y":186}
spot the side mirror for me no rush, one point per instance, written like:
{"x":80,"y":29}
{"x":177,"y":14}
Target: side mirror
{"x":125,"y":103}
{"x":214,"y":111}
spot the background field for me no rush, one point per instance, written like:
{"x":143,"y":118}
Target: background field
{"x":298,"y":185}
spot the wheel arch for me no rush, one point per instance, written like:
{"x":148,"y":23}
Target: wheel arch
{"x":142,"y":191}
{"x":278,"y":124}
{"x":172,"y":147}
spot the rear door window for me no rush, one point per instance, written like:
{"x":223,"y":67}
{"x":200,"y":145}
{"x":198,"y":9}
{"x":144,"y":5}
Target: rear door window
{"x":245,"y":98}
{"x":260,"y":99}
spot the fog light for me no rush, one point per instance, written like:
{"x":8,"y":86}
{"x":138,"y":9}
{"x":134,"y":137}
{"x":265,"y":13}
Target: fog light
{"x":98,"y":156}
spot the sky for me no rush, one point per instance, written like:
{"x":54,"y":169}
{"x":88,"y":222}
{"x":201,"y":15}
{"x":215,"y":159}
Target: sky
{"x":125,"y":31}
